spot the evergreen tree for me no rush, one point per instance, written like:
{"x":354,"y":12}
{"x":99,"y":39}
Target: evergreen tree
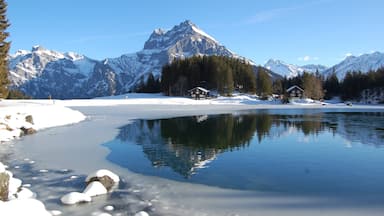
{"x":313,"y":87}
{"x":263,"y":83}
{"x":4,"y":48}
{"x":332,"y":86}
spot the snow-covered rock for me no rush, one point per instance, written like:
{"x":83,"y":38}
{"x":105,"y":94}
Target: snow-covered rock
{"x":25,"y":193}
{"x":75,"y":198}
{"x":142,"y":213}
{"x":107,"y":178}
{"x":101,"y":173}
{"x":109,"y":208}
{"x":95,"y":188}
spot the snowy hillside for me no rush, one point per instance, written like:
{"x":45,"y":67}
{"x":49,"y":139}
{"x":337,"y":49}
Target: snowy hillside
{"x":291,"y":70}
{"x":363,"y":63}
{"x":42,"y":73}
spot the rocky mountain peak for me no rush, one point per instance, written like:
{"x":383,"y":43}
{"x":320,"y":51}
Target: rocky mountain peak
{"x":185,"y":31}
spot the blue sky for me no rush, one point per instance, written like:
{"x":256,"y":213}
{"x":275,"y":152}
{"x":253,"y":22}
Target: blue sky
{"x":296,"y":31}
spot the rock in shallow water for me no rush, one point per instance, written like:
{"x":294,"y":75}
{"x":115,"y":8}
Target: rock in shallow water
{"x":105,"y":177}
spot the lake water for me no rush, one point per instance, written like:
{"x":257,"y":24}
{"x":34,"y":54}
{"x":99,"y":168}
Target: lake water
{"x":303,"y":152}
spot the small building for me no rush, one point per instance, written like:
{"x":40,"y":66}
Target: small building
{"x":295,"y":92}
{"x":198,"y":93}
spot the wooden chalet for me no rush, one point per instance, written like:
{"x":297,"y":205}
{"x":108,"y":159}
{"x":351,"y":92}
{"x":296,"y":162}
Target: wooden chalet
{"x":198,"y":93}
{"x":295,"y":92}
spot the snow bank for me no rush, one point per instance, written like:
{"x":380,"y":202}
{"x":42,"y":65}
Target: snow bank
{"x":44,"y":114}
{"x":23,"y":207}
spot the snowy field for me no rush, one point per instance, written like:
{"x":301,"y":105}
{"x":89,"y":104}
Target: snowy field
{"x":77,"y":150}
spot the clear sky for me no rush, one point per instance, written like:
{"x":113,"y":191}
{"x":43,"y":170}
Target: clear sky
{"x":296,"y":31}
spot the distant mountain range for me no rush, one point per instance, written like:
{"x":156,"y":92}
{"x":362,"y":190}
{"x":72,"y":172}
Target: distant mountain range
{"x":42,"y":72}
{"x":291,"y":70}
{"x":363,"y":63}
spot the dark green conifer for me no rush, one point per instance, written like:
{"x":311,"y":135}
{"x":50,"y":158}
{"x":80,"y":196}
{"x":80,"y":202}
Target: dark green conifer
{"x":4,"y":48}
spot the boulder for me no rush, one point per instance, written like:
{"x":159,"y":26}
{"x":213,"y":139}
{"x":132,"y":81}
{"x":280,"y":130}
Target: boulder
{"x":27,"y":131}
{"x":29,"y":119}
{"x":4,"y":183}
{"x":105,"y":177}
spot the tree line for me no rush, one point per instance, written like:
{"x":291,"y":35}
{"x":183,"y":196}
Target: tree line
{"x":316,"y":86}
{"x":225,"y":75}
{"x":219,"y":73}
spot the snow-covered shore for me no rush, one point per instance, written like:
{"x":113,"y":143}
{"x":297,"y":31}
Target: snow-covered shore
{"x":18,"y":118}
{"x":16,"y":115}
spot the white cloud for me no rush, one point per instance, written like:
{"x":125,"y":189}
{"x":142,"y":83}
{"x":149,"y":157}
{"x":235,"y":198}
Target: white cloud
{"x":307,"y":58}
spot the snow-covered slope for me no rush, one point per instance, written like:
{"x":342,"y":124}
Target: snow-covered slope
{"x":363,"y":63}
{"x":291,"y":70}
{"x":41,"y":72}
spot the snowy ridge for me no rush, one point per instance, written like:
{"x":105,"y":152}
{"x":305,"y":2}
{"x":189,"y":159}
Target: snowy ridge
{"x":363,"y":63}
{"x":291,"y":70}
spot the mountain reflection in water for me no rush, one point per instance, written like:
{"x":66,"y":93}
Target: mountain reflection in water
{"x":187,"y":143}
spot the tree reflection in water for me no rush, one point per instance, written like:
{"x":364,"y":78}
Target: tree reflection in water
{"x":188,"y":143}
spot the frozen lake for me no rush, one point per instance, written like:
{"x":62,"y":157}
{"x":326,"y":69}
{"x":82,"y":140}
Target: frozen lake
{"x":214,"y":160}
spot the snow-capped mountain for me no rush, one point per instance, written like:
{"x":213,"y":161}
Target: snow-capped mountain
{"x":291,"y":70}
{"x":162,"y":47}
{"x":363,"y":63}
{"x":41,"y":72}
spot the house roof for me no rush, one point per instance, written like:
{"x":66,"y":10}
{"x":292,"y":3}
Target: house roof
{"x":200,"y":88}
{"x":293,"y":87}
